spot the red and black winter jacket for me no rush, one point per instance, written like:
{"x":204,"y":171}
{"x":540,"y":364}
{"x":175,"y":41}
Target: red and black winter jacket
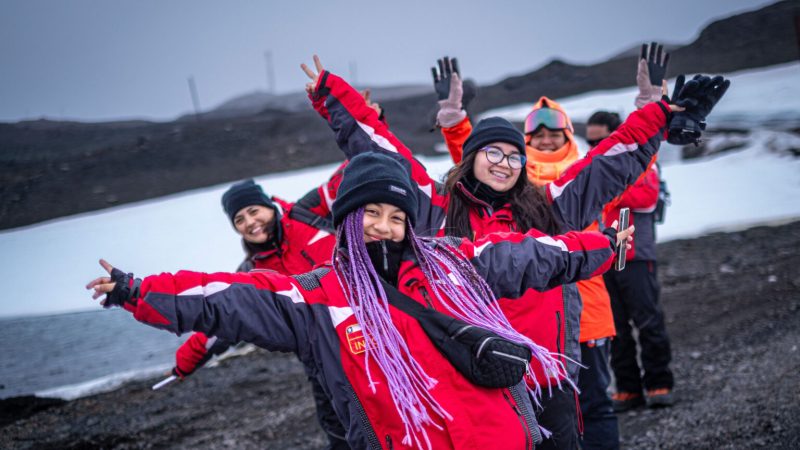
{"x":309,"y":314}
{"x":302,"y":247}
{"x":577,"y":198}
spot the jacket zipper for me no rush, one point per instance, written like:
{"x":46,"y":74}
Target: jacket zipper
{"x":558,"y":332}
{"x":385,"y":256}
{"x":517,"y":392}
{"x":483,"y":344}
{"x":460,"y":331}
{"x":308,"y":258}
{"x":567,"y":332}
{"x":514,"y":358}
{"x":372,"y":439}
{"x":389,"y":443}
{"x":521,"y":419}
{"x":427,"y":297}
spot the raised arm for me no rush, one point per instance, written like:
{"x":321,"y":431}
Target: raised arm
{"x":314,"y":207}
{"x":618,"y":161}
{"x":264,"y":308}
{"x":359,"y":130}
{"x":356,"y":124}
{"x":512,"y":263}
{"x":455,"y":136}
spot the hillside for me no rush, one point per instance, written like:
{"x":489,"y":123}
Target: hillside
{"x":53,"y":169}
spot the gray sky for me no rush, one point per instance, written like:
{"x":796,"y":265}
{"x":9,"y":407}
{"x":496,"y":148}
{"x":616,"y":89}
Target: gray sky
{"x":105,"y":59}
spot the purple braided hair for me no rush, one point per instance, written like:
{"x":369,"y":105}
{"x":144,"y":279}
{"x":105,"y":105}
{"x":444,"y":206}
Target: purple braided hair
{"x":452,"y":277}
{"x":409,"y":385}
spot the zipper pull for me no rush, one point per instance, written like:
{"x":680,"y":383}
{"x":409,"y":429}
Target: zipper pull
{"x":385,"y":256}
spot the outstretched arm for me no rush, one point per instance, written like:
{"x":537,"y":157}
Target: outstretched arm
{"x":511,"y":263}
{"x":265,"y":308}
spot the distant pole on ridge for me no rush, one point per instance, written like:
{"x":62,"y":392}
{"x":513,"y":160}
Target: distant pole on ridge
{"x":270,"y":72}
{"x":195,"y":97}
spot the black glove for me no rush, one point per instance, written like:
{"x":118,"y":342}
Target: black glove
{"x":698,"y":96}
{"x":124,"y":290}
{"x":449,"y":99}
{"x":611,"y":234}
{"x":657,"y":61}
{"x":441,"y":80}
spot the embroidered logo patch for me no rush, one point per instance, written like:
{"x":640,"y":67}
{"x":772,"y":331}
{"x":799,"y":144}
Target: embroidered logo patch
{"x":355,"y":339}
{"x":397,"y":189}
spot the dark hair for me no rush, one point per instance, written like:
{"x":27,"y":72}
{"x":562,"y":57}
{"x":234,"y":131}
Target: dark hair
{"x":529,"y":206}
{"x":609,"y":119}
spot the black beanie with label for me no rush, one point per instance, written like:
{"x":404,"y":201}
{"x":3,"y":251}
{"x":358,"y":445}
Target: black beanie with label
{"x":243,"y":194}
{"x":493,"y":129}
{"x":375,"y":178}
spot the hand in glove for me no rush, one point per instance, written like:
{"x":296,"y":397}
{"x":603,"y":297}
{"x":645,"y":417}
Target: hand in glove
{"x":698,"y":97}
{"x":196,"y":352}
{"x":650,"y":74}
{"x":450,"y":91}
{"x":119,"y":288}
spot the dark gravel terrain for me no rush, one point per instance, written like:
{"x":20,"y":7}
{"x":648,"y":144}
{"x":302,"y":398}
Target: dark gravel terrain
{"x":732,"y":302}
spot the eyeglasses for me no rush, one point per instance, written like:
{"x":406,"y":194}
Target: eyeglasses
{"x":495,"y":156}
{"x":549,"y":118}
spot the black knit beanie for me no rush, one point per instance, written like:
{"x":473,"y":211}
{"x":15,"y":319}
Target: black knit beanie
{"x":375,"y":178}
{"x":242,"y":194}
{"x":493,"y":129}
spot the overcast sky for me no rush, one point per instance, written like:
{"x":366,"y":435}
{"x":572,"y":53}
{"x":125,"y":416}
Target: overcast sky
{"x":106,"y":59}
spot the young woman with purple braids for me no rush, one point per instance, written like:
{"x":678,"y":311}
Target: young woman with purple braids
{"x":390,"y":385}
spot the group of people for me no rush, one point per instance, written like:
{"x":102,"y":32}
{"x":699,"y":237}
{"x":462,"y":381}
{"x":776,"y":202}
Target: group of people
{"x":468,"y":313}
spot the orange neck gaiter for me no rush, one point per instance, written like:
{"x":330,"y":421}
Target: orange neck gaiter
{"x":544,"y":167}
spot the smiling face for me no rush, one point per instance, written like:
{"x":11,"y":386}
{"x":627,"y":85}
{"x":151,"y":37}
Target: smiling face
{"x":546,"y":140}
{"x":500,"y":177}
{"x":255,"y":223}
{"x":384,"y":221}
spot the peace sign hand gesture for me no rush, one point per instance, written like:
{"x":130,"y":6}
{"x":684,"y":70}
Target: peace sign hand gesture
{"x":117,"y":288}
{"x":313,"y":76}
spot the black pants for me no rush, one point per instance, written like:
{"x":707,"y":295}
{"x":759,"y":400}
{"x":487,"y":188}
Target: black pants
{"x":559,"y":416}
{"x":634,"y":298}
{"x":600,"y":427}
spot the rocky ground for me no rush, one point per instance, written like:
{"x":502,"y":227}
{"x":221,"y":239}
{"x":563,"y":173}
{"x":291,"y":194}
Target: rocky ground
{"x":732,"y":302}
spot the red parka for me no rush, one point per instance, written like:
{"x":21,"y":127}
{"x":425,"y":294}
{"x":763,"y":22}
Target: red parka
{"x":309,"y":314}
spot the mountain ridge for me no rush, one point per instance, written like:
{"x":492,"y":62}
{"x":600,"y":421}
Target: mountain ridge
{"x":53,"y":169}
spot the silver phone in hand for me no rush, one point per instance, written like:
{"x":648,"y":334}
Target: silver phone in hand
{"x":624,"y":215}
